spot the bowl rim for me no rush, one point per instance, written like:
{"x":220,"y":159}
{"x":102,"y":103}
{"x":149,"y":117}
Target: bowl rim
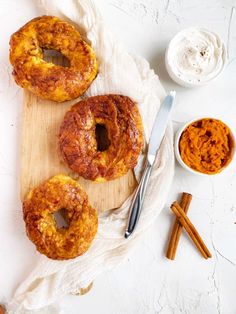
{"x":177,"y":152}
{"x":183,"y":82}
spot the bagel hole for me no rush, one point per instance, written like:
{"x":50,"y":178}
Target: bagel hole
{"x":60,"y":218}
{"x":102,"y":138}
{"x":55,"y":57}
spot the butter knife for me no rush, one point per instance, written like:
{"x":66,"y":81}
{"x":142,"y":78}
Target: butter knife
{"x":157,"y":134}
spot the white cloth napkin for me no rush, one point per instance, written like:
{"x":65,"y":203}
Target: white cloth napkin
{"x":119,"y":72}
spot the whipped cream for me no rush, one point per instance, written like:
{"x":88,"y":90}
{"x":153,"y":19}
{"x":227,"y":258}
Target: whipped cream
{"x":195,"y":56}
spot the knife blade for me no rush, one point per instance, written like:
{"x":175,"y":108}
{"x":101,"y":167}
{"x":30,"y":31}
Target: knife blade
{"x":157,"y":134}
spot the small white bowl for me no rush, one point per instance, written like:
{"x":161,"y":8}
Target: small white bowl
{"x":171,"y":52}
{"x":177,"y":152}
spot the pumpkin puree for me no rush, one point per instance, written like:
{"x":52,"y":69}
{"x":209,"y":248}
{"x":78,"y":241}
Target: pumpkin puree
{"x":206,"y":146}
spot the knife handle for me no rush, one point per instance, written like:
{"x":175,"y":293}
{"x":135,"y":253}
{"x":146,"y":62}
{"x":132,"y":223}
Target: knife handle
{"x":137,"y":202}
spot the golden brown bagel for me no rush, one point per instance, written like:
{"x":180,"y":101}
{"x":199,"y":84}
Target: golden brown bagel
{"x":45,"y":79}
{"x":60,"y":192}
{"x":77,"y":137}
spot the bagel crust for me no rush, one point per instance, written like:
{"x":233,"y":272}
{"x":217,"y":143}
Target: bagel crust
{"x":77,"y":137}
{"x":60,"y":192}
{"x":45,"y":79}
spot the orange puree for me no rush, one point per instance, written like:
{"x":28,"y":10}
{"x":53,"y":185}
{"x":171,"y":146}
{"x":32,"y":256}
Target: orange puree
{"x":206,"y":145}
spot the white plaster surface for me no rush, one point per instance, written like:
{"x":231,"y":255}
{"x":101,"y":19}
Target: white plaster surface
{"x":146,"y":282}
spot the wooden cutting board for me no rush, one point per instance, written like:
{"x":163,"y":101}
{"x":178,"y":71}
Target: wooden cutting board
{"x":40,"y":157}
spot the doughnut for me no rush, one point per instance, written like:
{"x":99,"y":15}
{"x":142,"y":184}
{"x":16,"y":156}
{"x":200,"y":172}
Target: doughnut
{"x":45,"y":79}
{"x":39,"y":207}
{"x":79,"y":145}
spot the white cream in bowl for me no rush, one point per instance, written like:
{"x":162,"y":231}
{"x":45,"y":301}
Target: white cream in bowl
{"x":195,"y":56}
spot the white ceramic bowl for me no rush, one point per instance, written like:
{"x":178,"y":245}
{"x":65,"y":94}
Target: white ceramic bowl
{"x":171,"y":51}
{"x":177,"y":152}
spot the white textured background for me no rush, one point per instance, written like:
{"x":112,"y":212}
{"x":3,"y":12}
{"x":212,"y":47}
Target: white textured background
{"x":146,"y":282}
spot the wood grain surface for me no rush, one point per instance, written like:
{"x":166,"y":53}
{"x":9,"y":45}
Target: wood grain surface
{"x":40,"y":157}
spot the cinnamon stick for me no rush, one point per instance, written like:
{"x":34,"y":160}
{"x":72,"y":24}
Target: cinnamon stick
{"x":189,"y":227}
{"x":177,"y":227}
{"x":2,"y":309}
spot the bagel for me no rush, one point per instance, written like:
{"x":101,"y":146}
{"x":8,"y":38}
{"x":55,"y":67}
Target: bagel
{"x":45,"y":79}
{"x":77,"y":137}
{"x":60,"y":192}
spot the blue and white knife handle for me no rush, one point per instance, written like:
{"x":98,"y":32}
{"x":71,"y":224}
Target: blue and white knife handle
{"x":137,"y":202}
